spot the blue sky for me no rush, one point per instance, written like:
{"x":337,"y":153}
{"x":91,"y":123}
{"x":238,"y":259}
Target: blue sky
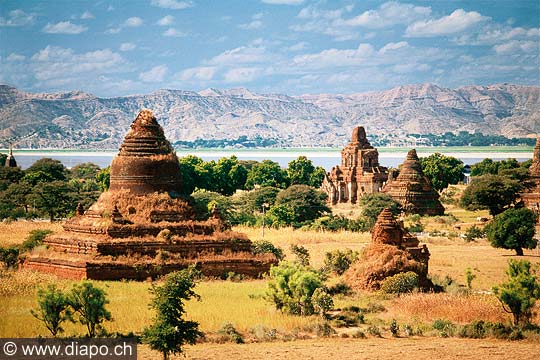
{"x":113,"y":48}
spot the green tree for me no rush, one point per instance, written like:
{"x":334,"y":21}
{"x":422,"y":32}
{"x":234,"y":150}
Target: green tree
{"x":266,"y":173}
{"x":469,"y":277}
{"x":513,"y":230}
{"x":301,"y":253}
{"x":9,"y":176}
{"x":339,"y":261}
{"x":302,"y":172}
{"x":170,"y":331}
{"x":488,"y":166}
{"x":442,"y":170}
{"x":52,"y":168}
{"x":266,"y":247}
{"x":305,"y":202}
{"x":291,"y":287}
{"x":373,"y":204}
{"x":54,"y":198}
{"x":229,"y":175}
{"x":85,"y":170}
{"x":18,"y":195}
{"x":519,"y":294}
{"x":103,"y":178}
{"x":53,"y":308}
{"x":88,"y":302}
{"x":493,"y":192}
{"x":253,"y":200}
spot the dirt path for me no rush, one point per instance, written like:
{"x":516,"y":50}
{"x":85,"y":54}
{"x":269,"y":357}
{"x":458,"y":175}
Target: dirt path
{"x":372,"y":349}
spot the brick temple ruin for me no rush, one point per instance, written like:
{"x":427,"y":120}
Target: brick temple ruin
{"x":412,"y":189}
{"x":359,"y":174}
{"x":392,"y":250}
{"x":531,"y":197}
{"x":142,"y":226}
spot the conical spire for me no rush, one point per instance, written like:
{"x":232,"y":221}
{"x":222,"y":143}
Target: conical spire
{"x":535,"y":166}
{"x":10,"y":159}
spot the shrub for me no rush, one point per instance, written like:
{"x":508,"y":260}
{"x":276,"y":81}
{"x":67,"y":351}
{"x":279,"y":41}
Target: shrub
{"x":400,"y":283}
{"x":88,"y":302}
{"x":170,"y":331}
{"x":477,"y":329}
{"x":9,"y":256}
{"x":291,"y":288}
{"x":373,"y":204}
{"x":53,"y":309}
{"x":265,"y":246}
{"x":519,"y":294}
{"x":394,"y":328}
{"x":324,"y":329}
{"x":445,"y":327}
{"x":341,"y":288}
{"x":35,"y":238}
{"x":229,"y":333}
{"x":301,"y":253}
{"x":339,"y":261}
{"x":322,"y":301}
{"x":469,"y":277}
{"x":374,"y":330}
{"x":473,"y":233}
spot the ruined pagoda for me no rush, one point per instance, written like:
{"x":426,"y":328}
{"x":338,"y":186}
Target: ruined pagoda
{"x":412,"y":189}
{"x":359,"y":173}
{"x":531,"y":197}
{"x":143,"y":226}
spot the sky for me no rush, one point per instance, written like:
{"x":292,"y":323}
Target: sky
{"x":113,"y":48}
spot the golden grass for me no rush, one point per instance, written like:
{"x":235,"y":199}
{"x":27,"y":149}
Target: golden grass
{"x":13,"y":233}
{"x":460,"y":309}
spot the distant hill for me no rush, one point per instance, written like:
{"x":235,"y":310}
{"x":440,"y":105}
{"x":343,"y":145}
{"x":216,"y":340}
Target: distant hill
{"x":81,"y":120}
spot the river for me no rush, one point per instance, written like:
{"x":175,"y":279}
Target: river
{"x":327,"y":158}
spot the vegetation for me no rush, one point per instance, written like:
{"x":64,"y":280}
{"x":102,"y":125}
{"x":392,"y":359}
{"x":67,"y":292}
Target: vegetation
{"x":494,"y":192}
{"x":338,"y":261}
{"x":88,"y":303}
{"x":291,"y":287}
{"x":442,"y":170}
{"x":54,"y":308}
{"x":513,"y":230}
{"x":519,"y":294}
{"x":302,"y":172}
{"x":170,"y":331}
{"x":464,"y":138}
{"x":400,"y":283}
{"x":263,"y":246}
{"x":373,"y":204}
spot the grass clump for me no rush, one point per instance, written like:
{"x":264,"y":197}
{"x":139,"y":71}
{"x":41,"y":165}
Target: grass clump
{"x":228,"y":333}
{"x":400,"y":283}
{"x":445,"y":327}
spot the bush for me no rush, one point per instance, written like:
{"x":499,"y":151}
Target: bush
{"x":338,"y":223}
{"x":301,"y":253}
{"x":229,"y":333}
{"x":35,"y":238}
{"x":53,"y":309}
{"x":445,"y":327}
{"x":291,"y":288}
{"x":339,"y":261}
{"x":322,"y":301}
{"x":394,"y":328}
{"x":400,"y":283}
{"x":264,"y":247}
{"x":9,"y":256}
{"x":473,"y":233}
{"x":374,"y":330}
{"x":341,"y":288}
{"x":305,"y":203}
{"x":88,"y":302}
{"x":373,"y":204}
{"x":477,"y":329}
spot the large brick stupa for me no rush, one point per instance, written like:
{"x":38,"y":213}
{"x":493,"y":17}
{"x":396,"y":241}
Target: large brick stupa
{"x":143,"y":226}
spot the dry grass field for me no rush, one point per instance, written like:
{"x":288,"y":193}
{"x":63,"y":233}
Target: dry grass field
{"x":242,"y":303}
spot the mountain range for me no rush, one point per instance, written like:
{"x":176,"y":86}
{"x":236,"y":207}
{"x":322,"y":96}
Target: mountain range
{"x":80,"y":120}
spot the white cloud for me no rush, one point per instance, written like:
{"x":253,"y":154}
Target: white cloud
{"x":87,"y":15}
{"x":17,"y":18}
{"x":171,"y":32}
{"x":166,"y":21}
{"x":456,"y":22}
{"x":253,"y":25}
{"x":241,"y":55}
{"x":134,"y":21}
{"x":172,"y":4}
{"x":55,"y":62}
{"x":393,"y":46}
{"x":204,"y":73}
{"x":335,"y":57}
{"x":327,"y":22}
{"x":113,"y":30}
{"x":64,"y":27}
{"x":388,"y":14}
{"x":241,"y":75}
{"x":514,"y":46}
{"x":13,"y":57}
{"x":302,"y":45}
{"x":127,"y":46}
{"x":283,"y":2}
{"x":156,"y":74}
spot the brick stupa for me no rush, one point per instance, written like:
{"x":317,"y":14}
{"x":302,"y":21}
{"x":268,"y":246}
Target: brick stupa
{"x":531,"y":197}
{"x":142,"y":226}
{"x":392,"y":250}
{"x":359,"y":174}
{"x":412,"y":189}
